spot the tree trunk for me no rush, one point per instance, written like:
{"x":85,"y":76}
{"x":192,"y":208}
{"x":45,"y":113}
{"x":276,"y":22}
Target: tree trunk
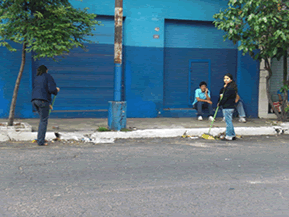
{"x":285,"y":68}
{"x":270,"y":100}
{"x":268,"y":68}
{"x":16,"y":88}
{"x":285,"y":98}
{"x":283,"y":106}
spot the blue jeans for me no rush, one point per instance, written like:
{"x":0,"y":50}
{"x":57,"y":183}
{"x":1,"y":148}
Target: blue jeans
{"x":240,"y":109}
{"x":228,"y":114}
{"x":200,"y":105}
{"x":42,"y":108}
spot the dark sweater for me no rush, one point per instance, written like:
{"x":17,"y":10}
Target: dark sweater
{"x":229,"y":97}
{"x":43,"y":86}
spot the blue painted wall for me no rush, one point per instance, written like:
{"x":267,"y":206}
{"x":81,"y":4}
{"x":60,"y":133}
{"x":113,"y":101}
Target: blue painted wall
{"x":194,"y":34}
{"x":9,"y":68}
{"x":176,"y":73}
{"x":198,"y":41}
{"x":173,"y":9}
{"x":144,"y":81}
{"x":248,"y":83}
{"x":150,"y":65}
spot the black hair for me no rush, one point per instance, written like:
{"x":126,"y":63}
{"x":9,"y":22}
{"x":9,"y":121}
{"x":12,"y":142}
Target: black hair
{"x":203,"y":83}
{"x":41,"y":70}
{"x":229,"y":75}
{"x":233,"y":83}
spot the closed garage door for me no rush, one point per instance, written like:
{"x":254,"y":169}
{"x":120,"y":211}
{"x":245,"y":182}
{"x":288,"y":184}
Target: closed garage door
{"x":85,"y":78}
{"x":194,"y":52}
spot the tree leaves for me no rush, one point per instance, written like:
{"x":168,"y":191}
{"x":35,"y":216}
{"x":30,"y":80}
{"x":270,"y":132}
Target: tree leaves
{"x":258,"y":23}
{"x":49,"y":27}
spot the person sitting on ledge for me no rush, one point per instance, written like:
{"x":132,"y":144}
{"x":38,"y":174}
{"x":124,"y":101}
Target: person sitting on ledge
{"x":202,"y":101}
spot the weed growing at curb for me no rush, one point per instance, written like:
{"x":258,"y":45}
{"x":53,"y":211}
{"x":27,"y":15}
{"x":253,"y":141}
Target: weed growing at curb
{"x":125,"y":130}
{"x":102,"y":129}
{"x":105,"y":129}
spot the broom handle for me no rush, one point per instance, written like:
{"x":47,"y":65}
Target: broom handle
{"x":216,"y":113}
{"x":52,"y":103}
{"x":213,"y":119}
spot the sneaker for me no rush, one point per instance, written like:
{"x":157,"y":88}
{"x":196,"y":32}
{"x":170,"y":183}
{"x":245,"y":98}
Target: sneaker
{"x":200,"y":118}
{"x":211,"y":118}
{"x":242,"y":120}
{"x":224,"y":119}
{"x":230,"y":138}
{"x":222,"y":136}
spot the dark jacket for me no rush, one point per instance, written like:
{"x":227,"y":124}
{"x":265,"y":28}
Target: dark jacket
{"x":229,"y":97}
{"x":43,"y":86}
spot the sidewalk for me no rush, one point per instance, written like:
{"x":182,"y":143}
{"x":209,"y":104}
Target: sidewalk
{"x":86,"y":129}
{"x":89,"y":124}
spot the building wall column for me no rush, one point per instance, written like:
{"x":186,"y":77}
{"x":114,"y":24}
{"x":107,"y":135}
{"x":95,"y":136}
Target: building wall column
{"x":263,"y":100}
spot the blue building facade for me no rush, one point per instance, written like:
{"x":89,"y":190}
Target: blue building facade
{"x":169,"y":48}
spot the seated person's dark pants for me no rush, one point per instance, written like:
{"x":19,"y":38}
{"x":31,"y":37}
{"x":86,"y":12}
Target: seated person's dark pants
{"x":42,"y":108}
{"x":203,"y":105}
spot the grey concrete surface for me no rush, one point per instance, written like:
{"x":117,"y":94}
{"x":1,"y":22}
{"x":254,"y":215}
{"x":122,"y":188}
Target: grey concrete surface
{"x":91,"y":124}
{"x":147,"y":177}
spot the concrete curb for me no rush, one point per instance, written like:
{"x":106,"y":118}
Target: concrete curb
{"x":4,"y":137}
{"x":168,"y":133}
{"x":18,"y":127}
{"x":109,"y":137}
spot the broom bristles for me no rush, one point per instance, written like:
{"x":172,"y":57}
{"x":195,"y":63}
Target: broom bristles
{"x":208,"y":137}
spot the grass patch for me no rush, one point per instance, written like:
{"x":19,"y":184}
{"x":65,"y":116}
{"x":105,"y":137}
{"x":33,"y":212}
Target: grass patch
{"x":125,"y":130}
{"x":105,"y":129}
{"x":102,"y":129}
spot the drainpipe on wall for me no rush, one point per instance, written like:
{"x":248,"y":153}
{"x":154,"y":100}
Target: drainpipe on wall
{"x":117,"y":108}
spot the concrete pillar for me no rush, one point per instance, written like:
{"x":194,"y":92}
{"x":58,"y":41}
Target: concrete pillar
{"x":263,"y":100}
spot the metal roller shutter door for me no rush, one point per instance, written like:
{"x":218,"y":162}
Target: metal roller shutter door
{"x":85,"y":78}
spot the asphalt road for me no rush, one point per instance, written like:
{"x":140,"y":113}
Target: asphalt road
{"x":150,"y":177}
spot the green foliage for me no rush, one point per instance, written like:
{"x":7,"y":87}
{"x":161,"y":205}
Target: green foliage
{"x":125,"y":130}
{"x":102,"y":129}
{"x":257,"y":24}
{"x":287,"y":109}
{"x":261,"y":29}
{"x":48,"y":27}
{"x":284,"y":88}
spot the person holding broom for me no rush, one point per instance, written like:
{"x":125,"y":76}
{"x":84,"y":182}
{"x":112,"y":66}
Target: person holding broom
{"x":239,"y":106}
{"x":43,"y":86}
{"x":228,"y":104}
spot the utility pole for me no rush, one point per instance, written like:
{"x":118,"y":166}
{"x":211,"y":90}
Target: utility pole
{"x":118,"y":17}
{"x":117,"y":108}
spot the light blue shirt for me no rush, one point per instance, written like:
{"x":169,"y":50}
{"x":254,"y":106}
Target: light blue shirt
{"x":200,"y":94}
{"x":279,"y":92}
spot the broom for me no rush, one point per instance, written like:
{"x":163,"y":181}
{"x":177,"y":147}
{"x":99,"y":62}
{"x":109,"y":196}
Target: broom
{"x":53,"y":100}
{"x":57,"y":135}
{"x":208,"y":135}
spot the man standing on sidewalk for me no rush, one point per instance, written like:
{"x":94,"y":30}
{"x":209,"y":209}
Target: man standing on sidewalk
{"x":43,"y":86}
{"x":202,"y":101}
